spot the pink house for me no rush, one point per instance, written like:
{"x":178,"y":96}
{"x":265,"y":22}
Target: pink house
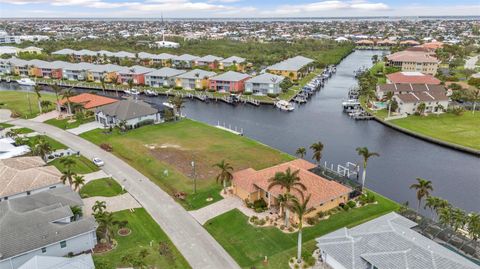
{"x":230,"y":81}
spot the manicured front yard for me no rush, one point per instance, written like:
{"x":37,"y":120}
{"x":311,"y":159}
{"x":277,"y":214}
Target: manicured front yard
{"x":82,"y":165}
{"x":18,"y":102}
{"x":144,"y":231}
{"x":106,"y":187}
{"x":249,"y":245}
{"x":67,"y":124}
{"x":53,"y":143}
{"x":462,"y":130}
{"x":164,"y":153}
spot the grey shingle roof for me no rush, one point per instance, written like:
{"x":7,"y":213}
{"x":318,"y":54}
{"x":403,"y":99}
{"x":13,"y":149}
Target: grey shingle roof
{"x":230,"y":76}
{"x":266,"y":78}
{"x":29,"y":222}
{"x":209,"y":59}
{"x":388,"y":242}
{"x":185,"y":57}
{"x":292,"y":64}
{"x":165,"y":72}
{"x":83,"y":261}
{"x":127,"y":109}
{"x":201,"y":74}
{"x":230,"y":60}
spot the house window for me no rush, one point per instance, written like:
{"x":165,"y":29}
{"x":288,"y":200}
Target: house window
{"x":44,"y":250}
{"x":63,"y":244}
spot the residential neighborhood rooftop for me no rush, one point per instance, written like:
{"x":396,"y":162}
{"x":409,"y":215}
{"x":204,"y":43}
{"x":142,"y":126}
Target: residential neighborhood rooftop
{"x":412,"y":56}
{"x":412,"y":78}
{"x":89,"y":100}
{"x":292,"y":64}
{"x":127,"y":109}
{"x":230,"y":76}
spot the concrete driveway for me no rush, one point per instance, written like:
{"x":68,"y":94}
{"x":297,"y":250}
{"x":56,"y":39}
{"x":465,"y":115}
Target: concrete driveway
{"x":114,"y":204}
{"x":85,"y":128}
{"x":5,"y":115}
{"x":197,"y":246}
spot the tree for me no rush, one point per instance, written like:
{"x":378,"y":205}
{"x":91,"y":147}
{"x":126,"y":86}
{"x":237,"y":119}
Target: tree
{"x":301,"y":152}
{"x":177,"y":102}
{"x":106,"y":222}
{"x":474,"y":97}
{"x":317,"y":151}
{"x":301,"y":209}
{"x":423,"y":188}
{"x":366,"y":154}
{"x":285,"y":84}
{"x":56,"y":89}
{"x":67,"y":93}
{"x":45,"y":104}
{"x":225,"y":175}
{"x":389,"y":98}
{"x":68,"y":162}
{"x":68,"y":175}
{"x":76,"y":211}
{"x":42,"y":148}
{"x":13,"y":133}
{"x":37,"y":88}
{"x":78,"y":181}
{"x":130,"y":84}
{"x":99,"y":207}
{"x":287,"y":180}
{"x":421,"y":108}
{"x":473,"y":226}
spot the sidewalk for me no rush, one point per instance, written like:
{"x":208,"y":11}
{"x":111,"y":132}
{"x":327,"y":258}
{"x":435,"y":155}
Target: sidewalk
{"x":47,"y":116}
{"x":85,"y":128}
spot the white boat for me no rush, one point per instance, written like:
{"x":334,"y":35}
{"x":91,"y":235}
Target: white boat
{"x":168,"y":104}
{"x":132,"y":92}
{"x":284,"y":105}
{"x":26,"y":82}
{"x":151,"y":93}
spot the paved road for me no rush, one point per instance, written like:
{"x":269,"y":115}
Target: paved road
{"x":195,"y":243}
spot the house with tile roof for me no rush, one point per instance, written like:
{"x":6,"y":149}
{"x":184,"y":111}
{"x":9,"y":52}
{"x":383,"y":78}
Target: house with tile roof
{"x":412,"y":78}
{"x":23,"y":176}
{"x":83,"y":261}
{"x":408,"y":103}
{"x":387,"y":242}
{"x":88,"y":101}
{"x":43,"y":224}
{"x":413,"y":61}
{"x":252,"y":185}
{"x":382,"y":89}
{"x":230,"y":81}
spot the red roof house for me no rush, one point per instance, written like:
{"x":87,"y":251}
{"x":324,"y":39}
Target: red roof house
{"x":412,"y":78}
{"x":89,"y":100}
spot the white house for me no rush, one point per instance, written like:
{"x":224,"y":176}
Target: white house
{"x":132,"y":112}
{"x":83,"y":261}
{"x":264,"y":84}
{"x":43,"y":224}
{"x":435,"y":102}
{"x":163,"y":77}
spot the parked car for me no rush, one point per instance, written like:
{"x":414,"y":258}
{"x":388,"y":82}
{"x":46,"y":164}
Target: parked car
{"x":98,"y":162}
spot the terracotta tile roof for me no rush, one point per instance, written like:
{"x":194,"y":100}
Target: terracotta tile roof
{"x":412,"y":77}
{"x":89,"y":100}
{"x":412,"y":56}
{"x":423,"y":96}
{"x":321,"y":189}
{"x":407,"y":87}
{"x":23,"y":174}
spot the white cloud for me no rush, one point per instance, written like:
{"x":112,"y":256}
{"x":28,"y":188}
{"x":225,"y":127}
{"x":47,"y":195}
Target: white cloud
{"x":322,"y":6}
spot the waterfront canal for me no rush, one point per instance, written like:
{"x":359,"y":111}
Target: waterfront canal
{"x":455,"y":175}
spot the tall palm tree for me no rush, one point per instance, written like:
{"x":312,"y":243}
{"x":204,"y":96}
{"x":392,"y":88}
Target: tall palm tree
{"x":67,"y":93}
{"x":301,"y":209}
{"x":225,"y":175}
{"x":474,"y":96}
{"x":77,"y":212}
{"x":389,"y":98}
{"x":37,"y":88}
{"x":473,"y":225}
{"x":68,"y":162}
{"x":423,"y":188}
{"x":78,"y":181}
{"x":432,"y":203}
{"x":106,"y":221}
{"x":68,"y":175}
{"x":42,"y":148}
{"x":317,"y":151}
{"x":56,"y":89}
{"x":301,"y":152}
{"x":366,"y":154}
{"x":287,"y":180}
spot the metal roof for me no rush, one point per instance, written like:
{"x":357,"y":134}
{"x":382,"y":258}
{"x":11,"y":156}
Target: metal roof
{"x":165,"y":72}
{"x":292,"y":64}
{"x":193,"y":74}
{"x":266,"y":78}
{"x":230,"y":76}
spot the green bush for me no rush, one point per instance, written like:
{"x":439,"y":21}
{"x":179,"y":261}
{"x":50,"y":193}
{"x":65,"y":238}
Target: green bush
{"x":352,"y":204}
{"x":253,"y":219}
{"x":247,"y":93}
{"x":178,"y":88}
{"x":145,"y":122}
{"x":346,"y":207}
{"x":312,"y":221}
{"x":309,"y":260}
{"x":321,"y":214}
{"x":272,"y":95}
{"x":260,"y":205}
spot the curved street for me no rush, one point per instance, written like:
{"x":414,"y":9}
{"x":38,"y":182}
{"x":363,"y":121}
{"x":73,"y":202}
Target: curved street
{"x":195,"y":243}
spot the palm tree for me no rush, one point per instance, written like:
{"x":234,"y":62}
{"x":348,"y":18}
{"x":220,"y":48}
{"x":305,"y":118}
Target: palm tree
{"x":99,"y":207}
{"x":423,"y":188}
{"x":106,"y":222}
{"x":458,"y":221}
{"x":432,"y":203}
{"x":177,"y":102}
{"x":68,"y":175}
{"x":474,"y":96}
{"x":78,"y":181}
{"x":102,"y":82}
{"x":37,"y":88}
{"x":317,"y":151}
{"x":473,"y":225}
{"x":287,"y":180}
{"x":56,"y":89}
{"x":301,"y":209}
{"x":366,"y":154}
{"x":13,"y":133}
{"x":77,"y":212}
{"x":67,"y":93}
{"x":42,"y":148}
{"x":389,"y":98}
{"x":225,"y":175}
{"x":301,"y":152}
{"x":421,"y":108}
{"x":68,"y":162}
{"x":130,"y":84}
{"x":45,"y":104}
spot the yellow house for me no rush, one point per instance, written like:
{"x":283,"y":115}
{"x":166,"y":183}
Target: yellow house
{"x":236,"y":61}
{"x":194,"y":79}
{"x":294,"y":68}
{"x":252,"y":185}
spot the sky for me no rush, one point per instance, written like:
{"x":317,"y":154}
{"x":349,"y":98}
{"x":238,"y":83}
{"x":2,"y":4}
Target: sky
{"x":233,"y":8}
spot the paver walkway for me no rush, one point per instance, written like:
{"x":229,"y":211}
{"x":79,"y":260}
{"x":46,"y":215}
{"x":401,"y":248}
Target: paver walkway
{"x":47,"y":116}
{"x":95,"y":175}
{"x":197,"y":246}
{"x":114,"y":204}
{"x":85,"y":128}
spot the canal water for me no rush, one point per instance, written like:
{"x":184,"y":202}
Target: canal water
{"x":455,"y":175}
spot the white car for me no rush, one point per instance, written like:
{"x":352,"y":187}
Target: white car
{"x":98,"y":162}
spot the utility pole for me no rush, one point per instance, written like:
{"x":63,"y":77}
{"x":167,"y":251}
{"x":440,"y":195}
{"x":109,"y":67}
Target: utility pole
{"x":194,"y":178}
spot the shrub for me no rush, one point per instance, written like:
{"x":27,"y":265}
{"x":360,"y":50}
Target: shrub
{"x":247,"y":93}
{"x":312,"y":221}
{"x":145,"y":122}
{"x":321,"y":214}
{"x":106,"y":147}
{"x":294,"y":225}
{"x":290,"y":229}
{"x":296,"y":266}
{"x":272,"y":95}
{"x":370,"y":197}
{"x":308,"y":260}
{"x":253,"y":219}
{"x":260,"y":205}
{"x":352,"y":204}
{"x":200,"y":89}
{"x":282,"y":227}
{"x":292,"y":260}
{"x":178,"y":88}
{"x":260,"y":222}
{"x":346,"y":207}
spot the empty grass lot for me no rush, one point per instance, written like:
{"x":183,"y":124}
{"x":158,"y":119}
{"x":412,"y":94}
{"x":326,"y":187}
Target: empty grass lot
{"x":18,"y":102}
{"x":462,"y":130}
{"x":248,"y":245}
{"x":106,"y":187}
{"x":144,"y":230}
{"x":164,"y":153}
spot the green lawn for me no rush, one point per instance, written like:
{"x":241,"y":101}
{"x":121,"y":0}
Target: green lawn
{"x":462,"y":130}
{"x":106,"y":187}
{"x":144,"y":230}
{"x":82,"y":165}
{"x":24,"y":130}
{"x":5,"y":125}
{"x":378,"y":71}
{"x":53,"y":143}
{"x":18,"y":102}
{"x":248,"y":245}
{"x":64,"y":124}
{"x":164,"y":153}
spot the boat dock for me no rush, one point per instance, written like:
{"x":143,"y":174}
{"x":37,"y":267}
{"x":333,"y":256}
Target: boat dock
{"x":230,"y":129}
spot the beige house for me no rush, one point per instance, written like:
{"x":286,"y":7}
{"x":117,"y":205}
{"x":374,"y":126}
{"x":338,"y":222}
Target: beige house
{"x":251,"y":185}
{"x":414,"y":61}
